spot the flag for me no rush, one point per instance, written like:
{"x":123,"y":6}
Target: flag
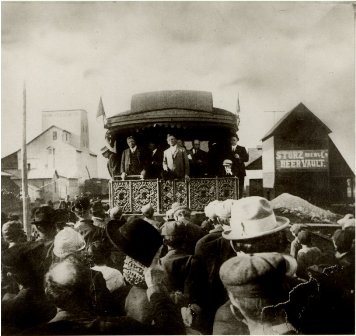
{"x":101,"y":111}
{"x":238,"y":104}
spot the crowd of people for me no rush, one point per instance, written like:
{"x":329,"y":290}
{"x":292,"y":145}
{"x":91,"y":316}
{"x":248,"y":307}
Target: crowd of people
{"x":243,"y":270}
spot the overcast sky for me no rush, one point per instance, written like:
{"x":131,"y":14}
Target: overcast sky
{"x":274,"y":55}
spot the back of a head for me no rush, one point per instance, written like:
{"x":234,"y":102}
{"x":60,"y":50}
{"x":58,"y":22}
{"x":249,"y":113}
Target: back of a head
{"x":305,"y":237}
{"x":343,"y":240}
{"x":13,"y":232}
{"x":81,"y":204}
{"x":67,"y":285}
{"x":173,"y":234}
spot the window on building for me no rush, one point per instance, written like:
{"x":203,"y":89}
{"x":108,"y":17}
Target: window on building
{"x":28,"y":166}
{"x":54,"y":135}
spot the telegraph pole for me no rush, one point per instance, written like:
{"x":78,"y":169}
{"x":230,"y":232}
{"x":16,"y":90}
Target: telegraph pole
{"x":26,"y":224}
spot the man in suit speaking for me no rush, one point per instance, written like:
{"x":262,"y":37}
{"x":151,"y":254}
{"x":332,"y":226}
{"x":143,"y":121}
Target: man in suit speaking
{"x":175,"y":160}
{"x":238,"y":155}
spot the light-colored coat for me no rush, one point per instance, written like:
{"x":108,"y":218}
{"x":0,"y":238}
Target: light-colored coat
{"x":178,"y":163}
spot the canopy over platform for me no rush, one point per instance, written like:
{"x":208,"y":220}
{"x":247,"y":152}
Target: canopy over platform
{"x":186,"y":113}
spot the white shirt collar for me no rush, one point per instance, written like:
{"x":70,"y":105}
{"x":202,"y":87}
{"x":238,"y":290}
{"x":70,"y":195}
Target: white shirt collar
{"x":133,"y":150}
{"x":154,"y":151}
{"x":173,"y":148}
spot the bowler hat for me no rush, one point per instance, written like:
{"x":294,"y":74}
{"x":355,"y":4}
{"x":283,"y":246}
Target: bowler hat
{"x":253,"y":217}
{"x":259,"y":274}
{"x":137,"y":238}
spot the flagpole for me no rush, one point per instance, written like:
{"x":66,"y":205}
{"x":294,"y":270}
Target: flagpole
{"x":25,"y":209}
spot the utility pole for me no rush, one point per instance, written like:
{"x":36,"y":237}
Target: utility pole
{"x":26,"y":224}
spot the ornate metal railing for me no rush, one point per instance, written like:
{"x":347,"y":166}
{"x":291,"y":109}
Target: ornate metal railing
{"x":196,"y":193}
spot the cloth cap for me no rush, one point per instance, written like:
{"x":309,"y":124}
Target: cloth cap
{"x":115,"y":212}
{"x":253,"y":217}
{"x":227,"y":162}
{"x":179,"y":208}
{"x":173,"y":228}
{"x":137,"y":238}
{"x":147,"y":208}
{"x":223,"y":209}
{"x":259,"y":274}
{"x":43,"y":216}
{"x":68,"y":241}
{"x":347,"y":221}
{"x":12,"y":231}
{"x":210,"y":209}
{"x":296,"y":228}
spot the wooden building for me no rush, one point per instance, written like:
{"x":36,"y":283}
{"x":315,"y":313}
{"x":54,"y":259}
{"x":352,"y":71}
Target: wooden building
{"x":300,"y":158}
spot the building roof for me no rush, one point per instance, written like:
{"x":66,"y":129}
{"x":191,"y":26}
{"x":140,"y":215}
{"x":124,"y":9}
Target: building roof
{"x":43,"y":132}
{"x":253,"y":155}
{"x":300,"y":111}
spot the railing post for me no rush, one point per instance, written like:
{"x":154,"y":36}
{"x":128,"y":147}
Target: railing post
{"x":158,"y":197}
{"x":130,"y":193}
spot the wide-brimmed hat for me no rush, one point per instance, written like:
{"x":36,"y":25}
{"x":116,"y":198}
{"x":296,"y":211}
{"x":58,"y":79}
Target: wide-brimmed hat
{"x":210,"y":209}
{"x":136,"y":238}
{"x":253,"y":217}
{"x":81,"y":203}
{"x":43,"y":216}
{"x":68,"y":241}
{"x":223,"y":209}
{"x":227,"y":162}
{"x":258,"y":274}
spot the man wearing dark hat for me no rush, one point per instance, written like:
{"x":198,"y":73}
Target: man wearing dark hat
{"x":132,"y":160}
{"x":29,"y":306}
{"x":85,"y":225}
{"x":113,"y":164}
{"x":238,"y":155}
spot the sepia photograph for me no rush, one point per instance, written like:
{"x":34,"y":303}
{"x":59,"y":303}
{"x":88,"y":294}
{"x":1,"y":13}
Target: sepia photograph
{"x":178,"y":167}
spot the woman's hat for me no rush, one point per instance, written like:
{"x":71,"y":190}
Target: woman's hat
{"x":136,"y":238}
{"x":67,"y":241}
{"x":253,"y":217}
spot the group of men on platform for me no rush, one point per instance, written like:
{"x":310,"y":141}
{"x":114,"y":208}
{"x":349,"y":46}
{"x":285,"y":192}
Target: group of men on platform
{"x":177,"y":162}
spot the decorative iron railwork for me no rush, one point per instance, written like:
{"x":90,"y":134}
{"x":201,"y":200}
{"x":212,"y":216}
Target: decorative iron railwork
{"x":131,"y":195}
{"x":143,"y":192}
{"x":201,"y":192}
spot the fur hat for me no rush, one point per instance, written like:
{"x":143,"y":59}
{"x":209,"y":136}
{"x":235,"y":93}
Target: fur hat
{"x":67,"y":241}
{"x":253,"y":217}
{"x":136,"y":238}
{"x":259,"y":274}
